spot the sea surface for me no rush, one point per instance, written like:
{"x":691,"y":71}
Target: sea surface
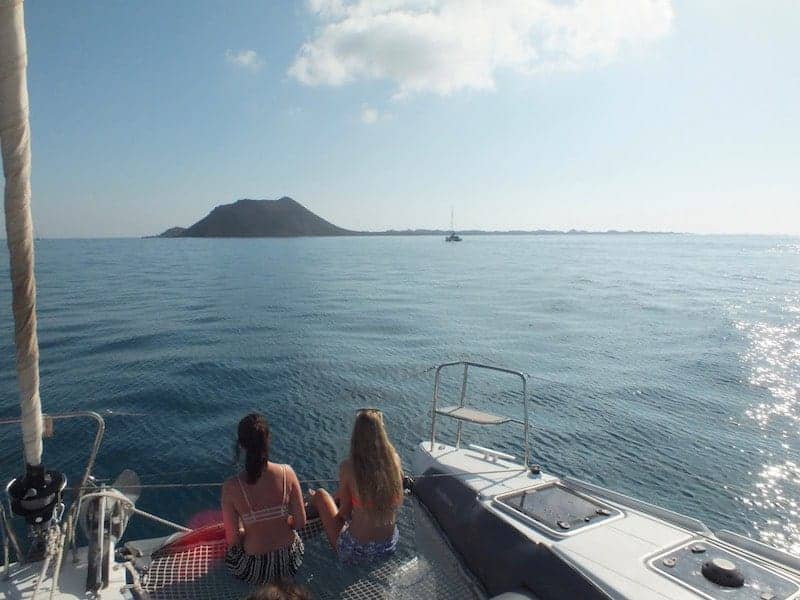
{"x":664,"y":366}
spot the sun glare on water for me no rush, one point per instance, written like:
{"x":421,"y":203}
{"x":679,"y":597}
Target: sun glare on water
{"x":773,"y":360}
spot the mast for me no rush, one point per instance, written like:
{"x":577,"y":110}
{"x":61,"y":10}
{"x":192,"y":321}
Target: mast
{"x":452,"y":226}
{"x":16,"y":151}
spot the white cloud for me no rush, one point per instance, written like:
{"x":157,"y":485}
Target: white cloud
{"x":326,"y":8}
{"x":244,"y":59}
{"x":369,"y":115}
{"x":443,"y":46}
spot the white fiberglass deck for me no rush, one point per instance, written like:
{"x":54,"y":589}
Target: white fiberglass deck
{"x":72,"y":582}
{"x":614,"y":554}
{"x":487,"y":477}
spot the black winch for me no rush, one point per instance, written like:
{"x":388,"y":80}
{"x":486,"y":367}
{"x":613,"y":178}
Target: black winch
{"x":36,"y":496}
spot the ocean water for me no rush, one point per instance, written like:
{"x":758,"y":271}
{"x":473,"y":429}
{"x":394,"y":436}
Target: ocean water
{"x":664,"y":366}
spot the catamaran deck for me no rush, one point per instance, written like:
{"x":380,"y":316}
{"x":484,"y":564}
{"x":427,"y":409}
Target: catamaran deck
{"x":478,"y":523}
{"x":424,"y":567}
{"x":616,"y":546}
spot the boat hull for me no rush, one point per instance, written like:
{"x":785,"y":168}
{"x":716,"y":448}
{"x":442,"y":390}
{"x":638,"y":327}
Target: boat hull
{"x":522,"y":531}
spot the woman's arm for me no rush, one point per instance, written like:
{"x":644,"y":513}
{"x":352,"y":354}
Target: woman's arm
{"x":230,"y":517}
{"x":345,"y":492}
{"x":297,"y":509}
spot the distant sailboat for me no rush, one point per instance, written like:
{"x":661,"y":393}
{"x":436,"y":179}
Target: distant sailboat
{"x":452,"y":237}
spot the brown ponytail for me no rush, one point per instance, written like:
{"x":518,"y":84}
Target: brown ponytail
{"x":254,"y":438}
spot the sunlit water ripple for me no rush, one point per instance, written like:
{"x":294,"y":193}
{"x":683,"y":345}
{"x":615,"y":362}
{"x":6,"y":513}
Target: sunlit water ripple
{"x":773,"y":356}
{"x":667,"y":367}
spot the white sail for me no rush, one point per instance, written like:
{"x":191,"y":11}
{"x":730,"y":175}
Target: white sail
{"x":16,"y":150}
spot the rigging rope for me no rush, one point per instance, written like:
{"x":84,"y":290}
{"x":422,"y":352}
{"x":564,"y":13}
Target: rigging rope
{"x":305,"y":481}
{"x":744,"y":492}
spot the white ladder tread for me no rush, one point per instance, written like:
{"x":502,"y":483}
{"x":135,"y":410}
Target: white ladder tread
{"x":462,"y":413}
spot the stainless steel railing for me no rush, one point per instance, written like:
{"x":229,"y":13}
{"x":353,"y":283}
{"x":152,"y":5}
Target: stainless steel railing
{"x":467,"y":365}
{"x":48,"y":431}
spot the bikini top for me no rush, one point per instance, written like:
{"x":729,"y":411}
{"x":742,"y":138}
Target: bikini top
{"x":278,"y":511}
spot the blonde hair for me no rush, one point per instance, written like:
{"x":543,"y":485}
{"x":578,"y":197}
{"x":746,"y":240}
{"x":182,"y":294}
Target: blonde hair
{"x":376,"y":465}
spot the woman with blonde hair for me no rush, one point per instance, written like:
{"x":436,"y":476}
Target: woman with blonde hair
{"x":363,"y":527}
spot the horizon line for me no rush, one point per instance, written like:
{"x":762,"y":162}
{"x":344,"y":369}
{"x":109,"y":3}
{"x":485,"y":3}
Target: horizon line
{"x":433,"y":232}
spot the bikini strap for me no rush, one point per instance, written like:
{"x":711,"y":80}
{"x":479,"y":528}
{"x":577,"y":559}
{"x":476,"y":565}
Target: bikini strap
{"x":284,"y":498}
{"x":244,"y":493}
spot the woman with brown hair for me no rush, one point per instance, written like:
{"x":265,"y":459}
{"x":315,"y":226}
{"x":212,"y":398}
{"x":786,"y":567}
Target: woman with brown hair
{"x":262,"y":507}
{"x":363,"y":527}
{"x":281,"y":591}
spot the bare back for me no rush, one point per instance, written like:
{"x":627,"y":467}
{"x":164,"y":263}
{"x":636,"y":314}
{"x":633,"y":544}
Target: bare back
{"x":258,"y":515}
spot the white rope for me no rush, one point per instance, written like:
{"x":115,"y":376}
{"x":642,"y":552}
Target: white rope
{"x":60,"y":556}
{"x":16,"y":151}
{"x":126,"y":502}
{"x":136,"y":586}
{"x":54,"y":534}
{"x":158,"y":519}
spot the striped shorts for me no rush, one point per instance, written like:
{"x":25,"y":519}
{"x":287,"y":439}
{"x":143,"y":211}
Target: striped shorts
{"x":258,"y":569}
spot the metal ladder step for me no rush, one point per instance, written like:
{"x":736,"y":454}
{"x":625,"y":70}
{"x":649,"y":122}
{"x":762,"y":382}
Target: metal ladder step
{"x":471,"y":415}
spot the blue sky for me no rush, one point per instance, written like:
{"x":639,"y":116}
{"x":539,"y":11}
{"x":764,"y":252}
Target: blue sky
{"x":593,"y":114}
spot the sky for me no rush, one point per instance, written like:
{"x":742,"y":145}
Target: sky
{"x":679,"y":115}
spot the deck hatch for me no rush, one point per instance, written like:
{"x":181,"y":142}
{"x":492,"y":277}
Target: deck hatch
{"x":690,"y":563}
{"x":558,"y":508}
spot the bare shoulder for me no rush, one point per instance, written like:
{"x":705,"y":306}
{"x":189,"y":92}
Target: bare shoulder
{"x":290,"y":472}
{"x":229,"y":486}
